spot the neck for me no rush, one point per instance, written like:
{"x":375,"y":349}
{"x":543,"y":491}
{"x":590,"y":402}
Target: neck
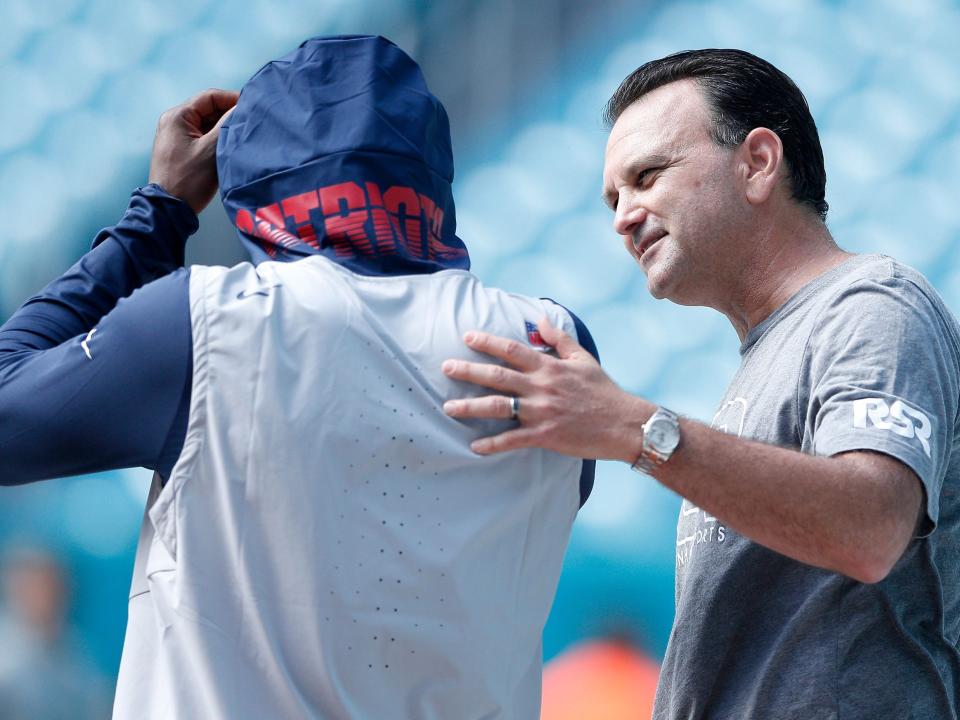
{"x":785,"y":257}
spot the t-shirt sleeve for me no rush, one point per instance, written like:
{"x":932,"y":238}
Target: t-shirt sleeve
{"x":884,"y":377}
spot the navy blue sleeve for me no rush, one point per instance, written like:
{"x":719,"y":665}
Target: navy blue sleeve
{"x":94,"y":372}
{"x":589,"y":471}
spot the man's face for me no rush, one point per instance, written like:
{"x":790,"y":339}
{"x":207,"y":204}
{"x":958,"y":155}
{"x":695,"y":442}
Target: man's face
{"x":675,"y":197}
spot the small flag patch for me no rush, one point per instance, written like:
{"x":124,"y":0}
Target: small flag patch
{"x":533,"y":335}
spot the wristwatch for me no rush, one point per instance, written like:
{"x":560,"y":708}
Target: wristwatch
{"x":661,"y":435}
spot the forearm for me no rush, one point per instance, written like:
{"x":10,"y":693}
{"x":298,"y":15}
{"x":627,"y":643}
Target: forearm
{"x":852,"y":513}
{"x":146,"y":244}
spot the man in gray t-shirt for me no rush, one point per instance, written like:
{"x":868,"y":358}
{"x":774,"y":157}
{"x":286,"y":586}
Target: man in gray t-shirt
{"x":864,"y":357}
{"x":818,"y":571}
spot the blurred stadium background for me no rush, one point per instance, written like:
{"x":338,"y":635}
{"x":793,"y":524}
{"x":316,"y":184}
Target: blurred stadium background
{"x":82,"y":83}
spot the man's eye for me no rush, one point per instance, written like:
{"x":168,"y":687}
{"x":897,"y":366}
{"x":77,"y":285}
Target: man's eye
{"x":644,"y":176}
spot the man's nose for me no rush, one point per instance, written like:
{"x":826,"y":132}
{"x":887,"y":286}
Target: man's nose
{"x":628,"y":216}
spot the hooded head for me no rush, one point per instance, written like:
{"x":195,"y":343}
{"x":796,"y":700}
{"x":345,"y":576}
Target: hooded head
{"x":339,"y":149}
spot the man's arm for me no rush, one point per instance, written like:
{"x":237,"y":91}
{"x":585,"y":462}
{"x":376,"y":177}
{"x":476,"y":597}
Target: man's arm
{"x":88,"y":384}
{"x":853,"y":513}
{"x":117,"y":396}
{"x":146,"y":244}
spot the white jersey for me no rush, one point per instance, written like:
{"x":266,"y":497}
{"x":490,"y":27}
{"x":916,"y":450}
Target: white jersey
{"x":327,"y":545}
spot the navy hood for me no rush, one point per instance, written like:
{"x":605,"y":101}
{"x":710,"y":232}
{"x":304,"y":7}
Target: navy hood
{"x":339,"y":149}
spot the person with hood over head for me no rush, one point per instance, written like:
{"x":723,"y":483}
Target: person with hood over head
{"x":318,"y":541}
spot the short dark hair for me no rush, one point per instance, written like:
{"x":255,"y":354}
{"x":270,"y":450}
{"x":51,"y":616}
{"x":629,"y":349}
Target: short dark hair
{"x":744,"y":92}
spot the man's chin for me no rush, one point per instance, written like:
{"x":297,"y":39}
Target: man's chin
{"x":676,"y":295}
{"x":657,"y":285}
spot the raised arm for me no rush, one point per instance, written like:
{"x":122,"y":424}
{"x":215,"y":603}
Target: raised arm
{"x":94,"y":373}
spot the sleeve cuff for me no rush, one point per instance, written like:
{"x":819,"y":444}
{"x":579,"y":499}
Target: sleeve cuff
{"x":155,"y":212}
{"x":178,"y":209}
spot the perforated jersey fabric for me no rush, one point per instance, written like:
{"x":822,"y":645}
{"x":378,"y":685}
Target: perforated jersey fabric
{"x":382,"y":570}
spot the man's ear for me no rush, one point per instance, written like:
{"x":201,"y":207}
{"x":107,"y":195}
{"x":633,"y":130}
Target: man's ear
{"x":761,"y":155}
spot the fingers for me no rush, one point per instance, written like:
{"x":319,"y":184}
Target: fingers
{"x":203,"y":112}
{"x":491,"y":376}
{"x":491,"y":406}
{"x":510,"y":440}
{"x":183,"y":161}
{"x":223,"y":118}
{"x":512,"y":352}
{"x":210,"y":137}
{"x":565,"y":345}
{"x":212,"y":103}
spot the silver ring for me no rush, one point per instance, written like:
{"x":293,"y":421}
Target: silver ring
{"x":514,"y":408}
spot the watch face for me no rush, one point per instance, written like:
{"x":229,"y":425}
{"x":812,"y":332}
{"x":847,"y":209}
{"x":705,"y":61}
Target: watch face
{"x":663,"y":436}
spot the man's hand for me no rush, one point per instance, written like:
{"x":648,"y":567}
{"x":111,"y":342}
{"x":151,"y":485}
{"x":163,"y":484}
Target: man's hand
{"x":568,"y":405}
{"x":184,"y":151}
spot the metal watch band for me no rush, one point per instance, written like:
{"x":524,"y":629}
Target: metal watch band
{"x":644,"y":465}
{"x":652,"y":457}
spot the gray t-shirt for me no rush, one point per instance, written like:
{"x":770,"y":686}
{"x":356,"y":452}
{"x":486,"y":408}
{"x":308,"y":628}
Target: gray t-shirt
{"x":865,"y":357}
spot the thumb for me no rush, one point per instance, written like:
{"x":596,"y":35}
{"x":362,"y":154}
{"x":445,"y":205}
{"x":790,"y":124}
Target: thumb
{"x":565,"y":345}
{"x":222,"y":119}
{"x":210,"y":137}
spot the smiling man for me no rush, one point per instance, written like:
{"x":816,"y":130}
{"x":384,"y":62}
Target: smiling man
{"x":817,"y":544}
